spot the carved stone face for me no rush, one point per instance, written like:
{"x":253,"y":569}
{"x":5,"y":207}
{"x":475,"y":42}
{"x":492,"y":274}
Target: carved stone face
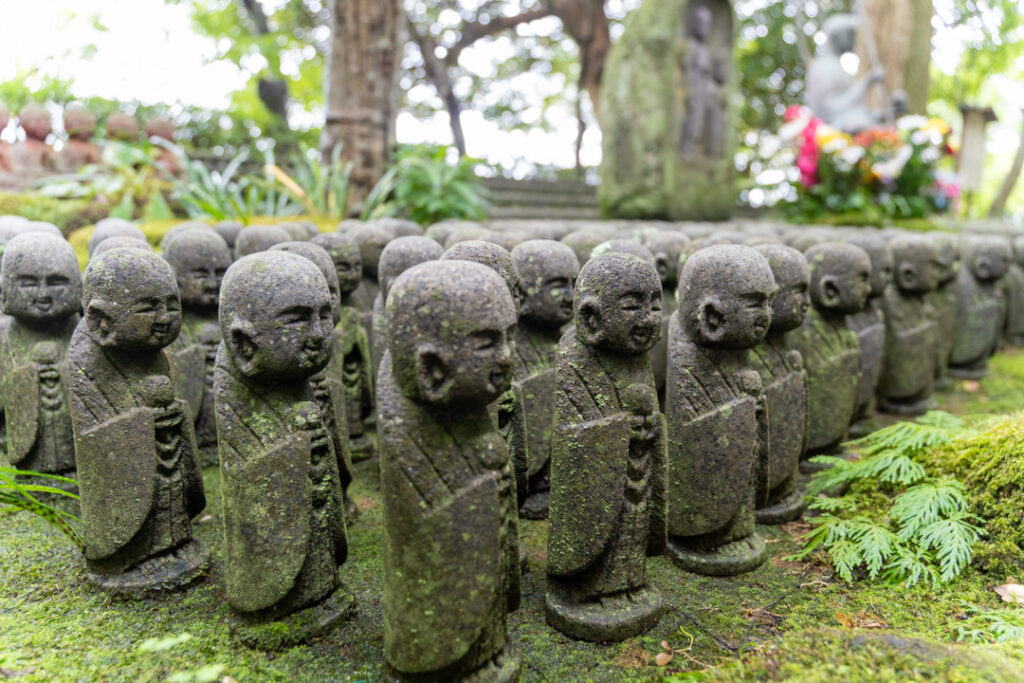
{"x":276,"y":316}
{"x":344,"y":253}
{"x":917,"y":264}
{"x":667,"y":248}
{"x":949,"y":256}
{"x":702,"y":22}
{"x":320,"y":258}
{"x":618,"y":304}
{"x":131,"y":301}
{"x":988,"y":258}
{"x":792,"y":285}
{"x":372,"y":239}
{"x":257,"y":238}
{"x":879,"y":252}
{"x":547,"y":273}
{"x":199,"y":259}
{"x":841,"y":30}
{"x":726,"y":294}
{"x":39,"y":278}
{"x":494,"y":257}
{"x":450,"y":326}
{"x":840,"y":277}
{"x":400,"y":255}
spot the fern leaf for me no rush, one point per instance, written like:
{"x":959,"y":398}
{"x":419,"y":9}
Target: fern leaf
{"x":845,"y":557}
{"x":909,"y":567}
{"x":841,"y":504}
{"x":952,"y":541}
{"x":925,"y":504}
{"x":840,"y":473}
{"x":875,"y":544}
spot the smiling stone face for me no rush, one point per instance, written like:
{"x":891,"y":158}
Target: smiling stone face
{"x":792,"y":281}
{"x":840,"y":277}
{"x":547,"y":275}
{"x":618,"y":304}
{"x":39,"y":278}
{"x":199,"y":259}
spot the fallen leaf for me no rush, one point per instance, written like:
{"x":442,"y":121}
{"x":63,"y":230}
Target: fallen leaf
{"x":971,"y":386}
{"x":845,"y":620}
{"x":663,"y":658}
{"x":1011,"y":592}
{"x":203,"y":519}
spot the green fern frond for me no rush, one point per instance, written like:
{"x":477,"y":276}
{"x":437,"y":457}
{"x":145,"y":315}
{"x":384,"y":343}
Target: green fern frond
{"x":891,"y":468}
{"x":909,"y":438}
{"x":827,"y":529}
{"x":908,"y":567}
{"x":952,"y":541}
{"x":993,"y":626}
{"x":925,"y":504}
{"x":840,"y":473}
{"x":942,"y":420}
{"x":826,"y":504}
{"x":875,"y":544}
{"x":845,"y":556}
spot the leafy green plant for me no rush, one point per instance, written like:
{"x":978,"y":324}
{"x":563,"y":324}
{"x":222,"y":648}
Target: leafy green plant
{"x":321,"y":189}
{"x":991,"y":626}
{"x":899,"y":524}
{"x":19,"y":490}
{"x":424,"y":187}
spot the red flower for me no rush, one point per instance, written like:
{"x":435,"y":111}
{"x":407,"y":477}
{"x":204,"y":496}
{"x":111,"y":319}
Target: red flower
{"x":793,"y":112}
{"x":807,"y":160}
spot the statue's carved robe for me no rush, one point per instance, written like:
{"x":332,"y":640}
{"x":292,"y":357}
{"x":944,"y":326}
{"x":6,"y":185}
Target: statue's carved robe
{"x":717,"y":442}
{"x":352,"y":347}
{"x":1015,"y":304}
{"x":910,"y":347}
{"x":831,"y":355}
{"x":785,"y":389}
{"x":329,"y":393}
{"x":869,"y":325}
{"x":981,"y":316}
{"x":193,"y":355}
{"x":608,"y":489}
{"x":379,"y":332}
{"x":451,"y":541}
{"x":37,"y":418}
{"x":284,"y":520}
{"x":944,"y":308}
{"x":659,"y":354}
{"x":139,"y":479}
{"x":364,"y":299}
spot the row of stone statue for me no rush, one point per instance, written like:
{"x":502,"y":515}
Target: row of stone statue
{"x":507,"y":379}
{"x":27,"y":160}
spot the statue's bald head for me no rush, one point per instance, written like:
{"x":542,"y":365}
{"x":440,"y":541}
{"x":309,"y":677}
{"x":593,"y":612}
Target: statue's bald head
{"x":493,"y":256}
{"x":39,"y":278}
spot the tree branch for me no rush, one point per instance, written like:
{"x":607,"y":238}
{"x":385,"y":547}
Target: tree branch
{"x":437,"y":74}
{"x":475,"y":30}
{"x":255,"y":10}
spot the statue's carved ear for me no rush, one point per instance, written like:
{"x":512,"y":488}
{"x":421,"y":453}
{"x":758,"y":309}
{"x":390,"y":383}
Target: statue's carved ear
{"x":3,"y":297}
{"x":433,"y":373}
{"x":241,"y":345}
{"x":908,"y":275}
{"x":590,"y":322}
{"x":711,"y":318}
{"x":831,"y":292}
{"x":98,"y":318}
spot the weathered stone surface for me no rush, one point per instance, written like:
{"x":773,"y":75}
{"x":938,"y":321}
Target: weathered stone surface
{"x":944,"y":303}
{"x":138,"y":473}
{"x":608,"y":462}
{"x":121,"y":242}
{"x":840,"y":284}
{"x":279,"y":465}
{"x":229,"y":231}
{"x":256,"y":238}
{"x":911,"y":341}
{"x":583,"y":241}
{"x":113,"y":227}
{"x":40,"y":292}
{"x":869,"y":323}
{"x":1014,"y":331}
{"x":715,"y":405}
{"x":665,"y":114}
{"x":623,"y":246}
{"x":446,"y":477}
{"x":668,"y":248}
{"x":981,"y":305}
{"x":371,"y":238}
{"x":781,"y":369}
{"x":833,"y":94}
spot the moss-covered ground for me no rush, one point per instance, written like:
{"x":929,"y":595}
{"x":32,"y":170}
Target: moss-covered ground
{"x":784,"y":621}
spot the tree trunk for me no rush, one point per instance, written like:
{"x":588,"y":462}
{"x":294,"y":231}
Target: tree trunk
{"x":362,"y":94}
{"x":902,"y":33}
{"x":998,"y":207}
{"x":587,"y":23}
{"x":437,"y":74}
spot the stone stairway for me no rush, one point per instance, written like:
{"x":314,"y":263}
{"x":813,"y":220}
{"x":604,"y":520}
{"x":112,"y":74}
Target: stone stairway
{"x":532,"y":199}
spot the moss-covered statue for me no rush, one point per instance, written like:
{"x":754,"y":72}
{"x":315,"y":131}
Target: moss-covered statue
{"x":785,"y":386}
{"x":113,"y":227}
{"x":398,"y":256}
{"x":352,"y":343}
{"x":944,"y":304}
{"x":840,"y":284}
{"x":372,"y":238}
{"x":547,"y":272}
{"x":256,"y":238}
{"x":284,"y":517}
{"x":450,"y":547}
{"x":138,"y":472}
{"x":199,"y":257}
{"x":911,"y":343}
{"x":869,"y":323}
{"x":40,"y":292}
{"x":981,"y":305}
{"x":668,"y":248}
{"x":607,"y":457}
{"x":1013,"y":333}
{"x":715,"y":405}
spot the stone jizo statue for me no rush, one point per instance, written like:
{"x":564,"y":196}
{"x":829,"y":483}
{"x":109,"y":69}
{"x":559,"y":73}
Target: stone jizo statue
{"x":1014,"y":332}
{"x":257,"y":238}
{"x":981,"y":305}
{"x":943,"y":301}
{"x":113,"y":227}
{"x":835,"y":96}
{"x":79,"y":150}
{"x":869,"y":323}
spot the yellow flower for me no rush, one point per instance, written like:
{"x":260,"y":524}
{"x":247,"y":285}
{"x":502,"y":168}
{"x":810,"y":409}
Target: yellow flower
{"x":826,"y":134}
{"x":937,"y":125}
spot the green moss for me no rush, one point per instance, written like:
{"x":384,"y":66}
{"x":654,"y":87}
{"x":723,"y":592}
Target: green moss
{"x":66,"y":214}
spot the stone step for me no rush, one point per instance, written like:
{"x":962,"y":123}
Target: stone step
{"x":544,"y":211}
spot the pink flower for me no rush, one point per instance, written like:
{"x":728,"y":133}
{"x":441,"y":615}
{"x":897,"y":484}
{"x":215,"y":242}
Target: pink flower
{"x":793,"y":112}
{"x":807,"y":160}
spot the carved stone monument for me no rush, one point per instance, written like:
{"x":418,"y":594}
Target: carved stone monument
{"x":446,"y":477}
{"x":113,"y":227}
{"x":257,"y":238}
{"x":1014,"y":332}
{"x":278,"y":463}
{"x":715,"y":404}
{"x":869,"y":323}
{"x":667,"y":248}
{"x":832,"y":94}
{"x":981,"y":305}
{"x":608,"y":457}
{"x":138,"y":474}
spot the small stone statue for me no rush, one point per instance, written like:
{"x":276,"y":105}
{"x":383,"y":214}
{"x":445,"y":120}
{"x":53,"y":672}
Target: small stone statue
{"x":40,"y":292}
{"x":284,"y":516}
{"x":113,"y":227}
{"x":448,"y":490}
{"x":944,"y":304}
{"x":257,"y":238}
{"x":122,"y":127}
{"x":371,"y":238}
{"x":840,"y":284}
{"x":785,"y":387}
{"x":715,"y":404}
{"x":668,"y":248}
{"x":833,"y":94}
{"x":121,"y":242}
{"x":547,"y":272}
{"x":162,"y":129}
{"x":608,"y":457}
{"x":981,"y":305}
{"x":352,"y":343}
{"x":699,"y":81}
{"x":398,"y":256}
{"x":583,"y":241}
{"x":79,"y":150}
{"x":869,"y":323}
{"x":910,"y":339}
{"x":199,"y":259}
{"x":229,"y":231}
{"x":138,"y":473}
{"x":1014,"y":332}
{"x":622,"y":246}
{"x":33,"y":157}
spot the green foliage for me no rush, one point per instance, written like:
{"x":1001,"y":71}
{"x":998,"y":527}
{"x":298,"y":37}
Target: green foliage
{"x":22,"y":489}
{"x":67,"y":214}
{"x":991,"y":626}
{"x":320,"y":189}
{"x":424,"y":186}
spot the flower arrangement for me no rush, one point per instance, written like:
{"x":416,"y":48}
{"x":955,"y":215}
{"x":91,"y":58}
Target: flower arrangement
{"x":878,"y":174}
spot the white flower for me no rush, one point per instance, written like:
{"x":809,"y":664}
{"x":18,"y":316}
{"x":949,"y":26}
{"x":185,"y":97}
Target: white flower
{"x":837,"y":144}
{"x":919,"y":137}
{"x":791,"y":130}
{"x":893,"y":167}
{"x":930,"y":155}
{"x":852,"y":154}
{"x":912,"y":122}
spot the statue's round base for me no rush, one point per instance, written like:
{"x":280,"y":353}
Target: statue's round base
{"x":296,"y":628}
{"x":165,"y":573}
{"x":536,"y":505}
{"x":974,"y":372}
{"x":783,"y":510}
{"x":504,"y":668}
{"x":807,"y":467}
{"x":609,"y":619}
{"x":907,"y":408}
{"x":737,"y":557}
{"x":362,"y":447}
{"x":942,"y":383}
